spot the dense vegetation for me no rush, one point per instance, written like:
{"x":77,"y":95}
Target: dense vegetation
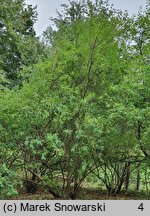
{"x":74,"y":107}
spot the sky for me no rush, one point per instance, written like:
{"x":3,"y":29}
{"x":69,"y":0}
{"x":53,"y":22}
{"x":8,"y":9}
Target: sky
{"x":47,"y":9}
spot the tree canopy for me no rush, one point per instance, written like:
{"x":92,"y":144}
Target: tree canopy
{"x":79,"y":103}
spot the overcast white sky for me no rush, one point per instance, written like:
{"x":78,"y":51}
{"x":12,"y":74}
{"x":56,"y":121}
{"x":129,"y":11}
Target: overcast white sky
{"x":47,"y":9}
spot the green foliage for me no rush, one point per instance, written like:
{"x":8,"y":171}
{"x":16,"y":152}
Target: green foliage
{"x":85,"y":109}
{"x":7,"y":183}
{"x":18,"y":44}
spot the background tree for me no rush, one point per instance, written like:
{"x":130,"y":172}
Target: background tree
{"x":82,"y":112}
{"x":18,"y":44}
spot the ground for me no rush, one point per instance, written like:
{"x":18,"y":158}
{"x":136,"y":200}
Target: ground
{"x":85,"y":194}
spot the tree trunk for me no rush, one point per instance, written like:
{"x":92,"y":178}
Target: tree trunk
{"x":127,"y":176}
{"x":138,"y":180}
